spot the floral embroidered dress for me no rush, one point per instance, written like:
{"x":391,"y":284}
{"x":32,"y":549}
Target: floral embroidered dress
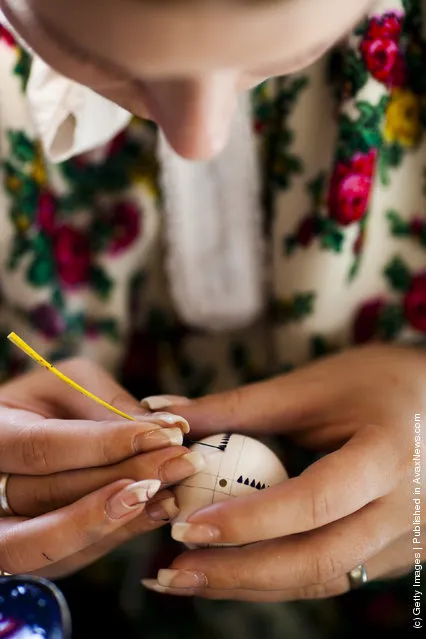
{"x":343,"y":152}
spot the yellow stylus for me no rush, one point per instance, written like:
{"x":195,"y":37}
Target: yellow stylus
{"x":15,"y":339}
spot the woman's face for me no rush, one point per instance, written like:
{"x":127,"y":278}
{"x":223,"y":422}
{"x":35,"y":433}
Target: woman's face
{"x":181,"y":63}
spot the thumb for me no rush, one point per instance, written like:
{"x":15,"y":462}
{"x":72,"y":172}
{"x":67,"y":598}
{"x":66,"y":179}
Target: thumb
{"x":285,"y":403}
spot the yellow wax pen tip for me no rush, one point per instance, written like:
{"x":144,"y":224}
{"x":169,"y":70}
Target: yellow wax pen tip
{"x":19,"y":342}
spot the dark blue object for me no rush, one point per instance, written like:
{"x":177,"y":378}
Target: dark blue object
{"x":32,"y":608}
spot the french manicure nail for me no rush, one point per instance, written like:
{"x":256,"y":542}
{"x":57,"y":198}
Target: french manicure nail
{"x":181,"y":467}
{"x":131,"y":497}
{"x":164,"y":510}
{"x":181,"y":579}
{"x":195,"y":533}
{"x":170,"y":419}
{"x":159,"y":438}
{"x":161,"y":402}
{"x":152,"y":584}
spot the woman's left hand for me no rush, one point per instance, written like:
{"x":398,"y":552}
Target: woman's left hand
{"x":357,"y":505}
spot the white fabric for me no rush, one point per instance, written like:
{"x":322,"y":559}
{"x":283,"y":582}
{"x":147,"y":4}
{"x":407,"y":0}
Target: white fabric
{"x":215,"y":253}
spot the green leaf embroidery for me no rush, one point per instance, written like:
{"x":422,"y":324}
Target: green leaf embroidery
{"x":295,"y":309}
{"x":100,"y":234}
{"x":101,"y":282}
{"x":41,"y":271}
{"x":76,"y":324}
{"x":22,"y":148}
{"x":331,"y":235}
{"x":398,"y":226}
{"x":398,"y":275}
{"x":109,"y":328}
{"x":23,"y":67}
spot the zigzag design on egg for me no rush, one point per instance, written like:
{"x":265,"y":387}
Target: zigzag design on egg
{"x":252,"y":483}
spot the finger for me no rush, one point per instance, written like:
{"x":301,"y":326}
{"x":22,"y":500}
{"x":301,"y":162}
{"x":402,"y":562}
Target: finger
{"x":30,"y":545}
{"x":335,"y":588}
{"x":395,"y":560}
{"x":315,"y":558}
{"x":31,"y":496}
{"x":158,"y":512}
{"x":332,"y":488}
{"x":284,"y":403}
{"x":33,"y":445}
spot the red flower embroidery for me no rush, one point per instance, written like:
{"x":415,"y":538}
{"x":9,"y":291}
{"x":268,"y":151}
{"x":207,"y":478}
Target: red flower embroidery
{"x":350,"y":188}
{"x":125,"y":223}
{"x":72,"y":254}
{"x":46,"y":213}
{"x":399,"y":74}
{"x":117,"y":144}
{"x":7,"y":37}
{"x":367,"y":321}
{"x":417,"y":225}
{"x":306,"y":231}
{"x":415,"y":303}
{"x":380,"y":48}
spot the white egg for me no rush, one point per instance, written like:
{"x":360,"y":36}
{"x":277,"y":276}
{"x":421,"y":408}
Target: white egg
{"x":236,"y":466}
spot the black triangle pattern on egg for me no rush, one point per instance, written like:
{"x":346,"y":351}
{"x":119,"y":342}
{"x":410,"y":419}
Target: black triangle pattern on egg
{"x":246,"y":481}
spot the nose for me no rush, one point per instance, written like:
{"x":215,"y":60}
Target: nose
{"x":194,"y":114}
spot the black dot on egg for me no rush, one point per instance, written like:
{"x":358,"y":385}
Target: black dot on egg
{"x":223,"y":483}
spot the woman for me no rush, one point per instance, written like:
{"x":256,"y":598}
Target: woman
{"x":333,"y":259}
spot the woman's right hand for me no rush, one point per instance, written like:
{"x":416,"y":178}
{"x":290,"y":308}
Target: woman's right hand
{"x":80,"y":477}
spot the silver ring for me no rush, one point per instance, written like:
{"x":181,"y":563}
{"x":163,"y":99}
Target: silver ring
{"x":5,"y":509}
{"x":357,"y":577}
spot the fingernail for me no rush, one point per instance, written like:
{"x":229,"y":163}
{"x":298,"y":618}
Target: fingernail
{"x":195,"y":533}
{"x":181,"y":467}
{"x":165,"y":418}
{"x":131,"y":497}
{"x":152,"y":584}
{"x":164,"y":510}
{"x":161,"y":402}
{"x":158,"y":439}
{"x":181,"y":579}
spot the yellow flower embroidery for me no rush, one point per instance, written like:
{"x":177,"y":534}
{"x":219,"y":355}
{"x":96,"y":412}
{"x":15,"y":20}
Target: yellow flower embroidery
{"x":403,"y":124}
{"x":22,"y":223}
{"x":146,"y":182}
{"x":13,"y":184}
{"x":39,"y":172}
